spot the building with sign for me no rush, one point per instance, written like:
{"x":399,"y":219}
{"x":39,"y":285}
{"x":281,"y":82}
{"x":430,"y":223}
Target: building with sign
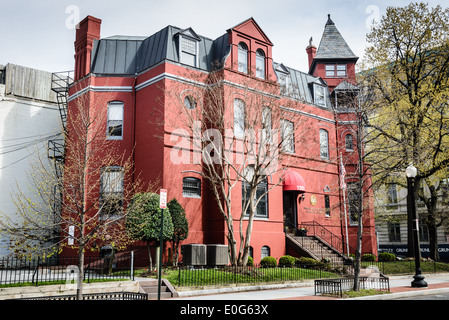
{"x":134,"y":78}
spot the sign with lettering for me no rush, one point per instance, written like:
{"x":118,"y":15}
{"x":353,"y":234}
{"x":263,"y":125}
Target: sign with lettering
{"x":163,"y":199}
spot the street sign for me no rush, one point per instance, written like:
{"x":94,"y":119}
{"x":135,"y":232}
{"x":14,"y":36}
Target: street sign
{"x":163,"y":199}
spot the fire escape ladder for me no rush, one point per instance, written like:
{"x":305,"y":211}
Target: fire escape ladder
{"x":60,"y":83}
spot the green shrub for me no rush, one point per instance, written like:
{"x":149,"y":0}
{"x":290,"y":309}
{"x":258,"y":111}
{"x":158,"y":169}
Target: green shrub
{"x":307,"y":261}
{"x":250,"y":262}
{"x":386,"y":256}
{"x":368,"y":257}
{"x":268,"y":262}
{"x":286,"y":261}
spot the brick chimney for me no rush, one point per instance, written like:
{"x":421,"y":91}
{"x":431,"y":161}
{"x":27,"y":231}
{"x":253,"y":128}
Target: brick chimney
{"x":311,"y":52}
{"x":86,"y":31}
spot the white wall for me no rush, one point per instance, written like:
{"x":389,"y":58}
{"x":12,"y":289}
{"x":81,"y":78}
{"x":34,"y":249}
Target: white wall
{"x":26,"y":125}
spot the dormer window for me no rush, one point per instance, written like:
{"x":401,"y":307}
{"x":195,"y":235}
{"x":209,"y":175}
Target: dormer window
{"x":188,"y":51}
{"x":260,"y":64}
{"x":243,"y":58}
{"x":188,"y":47}
{"x":319,"y":96}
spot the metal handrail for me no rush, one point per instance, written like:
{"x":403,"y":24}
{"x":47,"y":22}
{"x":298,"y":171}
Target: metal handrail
{"x":327,"y":236}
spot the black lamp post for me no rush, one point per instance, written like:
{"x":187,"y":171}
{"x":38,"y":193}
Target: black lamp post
{"x":411,"y":172}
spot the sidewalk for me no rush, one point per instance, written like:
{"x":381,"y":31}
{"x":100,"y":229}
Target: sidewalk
{"x":400,"y":287}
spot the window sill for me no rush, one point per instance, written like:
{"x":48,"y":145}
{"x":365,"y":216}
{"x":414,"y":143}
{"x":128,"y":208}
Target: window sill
{"x":191,"y":196}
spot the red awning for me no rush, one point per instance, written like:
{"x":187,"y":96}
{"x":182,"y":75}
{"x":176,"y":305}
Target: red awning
{"x":293,"y":181}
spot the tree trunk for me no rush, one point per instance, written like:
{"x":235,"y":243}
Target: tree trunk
{"x":433,"y":239}
{"x":149,"y":256}
{"x":79,"y":286}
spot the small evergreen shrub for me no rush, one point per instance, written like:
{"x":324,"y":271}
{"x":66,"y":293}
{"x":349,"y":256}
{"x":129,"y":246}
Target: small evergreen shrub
{"x":250,"y":262}
{"x":386,"y":256}
{"x":286,"y":261}
{"x":307,"y":261}
{"x":268,"y":262}
{"x":368,"y":257}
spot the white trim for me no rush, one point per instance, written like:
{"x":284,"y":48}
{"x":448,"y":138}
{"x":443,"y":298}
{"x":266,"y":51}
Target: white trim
{"x":310,"y":115}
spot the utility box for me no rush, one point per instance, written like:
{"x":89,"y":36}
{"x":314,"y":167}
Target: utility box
{"x":194,"y":254}
{"x":217,"y":255}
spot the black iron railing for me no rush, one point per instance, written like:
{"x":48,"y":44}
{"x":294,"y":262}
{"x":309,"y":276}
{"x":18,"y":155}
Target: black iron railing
{"x":326,"y":236}
{"x":39,"y":271}
{"x":97,"y":296}
{"x":227,"y":275}
{"x":339,"y":285}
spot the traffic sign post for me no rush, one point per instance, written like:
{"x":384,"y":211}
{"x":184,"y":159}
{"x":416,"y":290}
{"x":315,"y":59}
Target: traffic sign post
{"x":162,"y":206}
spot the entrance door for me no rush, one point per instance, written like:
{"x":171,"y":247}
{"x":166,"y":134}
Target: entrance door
{"x":289,"y":203}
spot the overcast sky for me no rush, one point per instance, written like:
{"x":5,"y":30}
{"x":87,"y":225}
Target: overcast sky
{"x":40,"y":33}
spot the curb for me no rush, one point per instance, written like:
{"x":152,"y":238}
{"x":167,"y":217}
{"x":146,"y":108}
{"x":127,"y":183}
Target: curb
{"x":405,"y":294}
{"x":243,"y":289}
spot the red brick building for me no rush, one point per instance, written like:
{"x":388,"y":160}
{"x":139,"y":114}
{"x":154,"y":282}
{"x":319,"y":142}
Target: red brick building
{"x":130,"y":77}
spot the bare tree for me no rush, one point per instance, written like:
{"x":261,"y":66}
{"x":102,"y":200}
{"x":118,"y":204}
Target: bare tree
{"x":240,"y":136}
{"x":82,"y":209}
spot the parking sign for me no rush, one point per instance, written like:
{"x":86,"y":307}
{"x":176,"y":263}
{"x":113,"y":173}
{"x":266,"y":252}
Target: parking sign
{"x":163,"y":199}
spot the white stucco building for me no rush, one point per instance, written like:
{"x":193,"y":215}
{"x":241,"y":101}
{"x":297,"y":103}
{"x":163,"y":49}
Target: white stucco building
{"x":29,"y":117}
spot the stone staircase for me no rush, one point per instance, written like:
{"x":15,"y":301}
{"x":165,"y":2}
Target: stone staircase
{"x":150,"y":287}
{"x":315,"y":248}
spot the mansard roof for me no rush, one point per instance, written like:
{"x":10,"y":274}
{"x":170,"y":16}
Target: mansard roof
{"x":333,"y":45}
{"x":128,"y":55}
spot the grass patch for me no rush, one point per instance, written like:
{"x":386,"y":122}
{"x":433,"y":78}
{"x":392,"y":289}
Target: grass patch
{"x":363,"y":293}
{"x":408,"y":267}
{"x":57,"y":282}
{"x":212,"y":277}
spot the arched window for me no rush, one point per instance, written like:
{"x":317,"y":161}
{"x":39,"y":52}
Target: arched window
{"x":324,"y":144}
{"x":243,"y":58}
{"x":260,"y":64}
{"x":349,"y":142}
{"x":265,"y":252}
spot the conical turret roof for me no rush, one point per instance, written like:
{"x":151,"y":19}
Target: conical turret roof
{"x":333,"y":45}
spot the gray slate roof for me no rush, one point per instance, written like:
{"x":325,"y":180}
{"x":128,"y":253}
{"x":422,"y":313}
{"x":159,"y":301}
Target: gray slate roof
{"x":129,"y":55}
{"x":333,"y":45}
{"x":123,"y":55}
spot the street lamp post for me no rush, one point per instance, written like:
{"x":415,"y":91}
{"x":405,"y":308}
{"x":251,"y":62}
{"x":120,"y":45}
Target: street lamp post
{"x":411,"y":172}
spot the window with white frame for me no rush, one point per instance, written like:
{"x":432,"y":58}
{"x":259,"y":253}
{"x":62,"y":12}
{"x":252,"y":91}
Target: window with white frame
{"x":287,"y":136}
{"x":115,"y":120}
{"x":188,"y":51}
{"x":349,"y":142}
{"x":260,"y":64}
{"x":266,"y":125}
{"x":261,"y":192}
{"x":324,"y":144}
{"x":243,"y":58}
{"x":336,"y":70}
{"x":111,"y":191}
{"x":239,"y":118}
{"x":319,"y":96}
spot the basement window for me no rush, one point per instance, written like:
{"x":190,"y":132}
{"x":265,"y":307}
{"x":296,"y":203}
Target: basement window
{"x":191,"y":187}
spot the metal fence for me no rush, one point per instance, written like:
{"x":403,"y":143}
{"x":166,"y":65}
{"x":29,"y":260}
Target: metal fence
{"x":38,"y":271}
{"x":339,"y":285}
{"x":226,"y":275}
{"x":98,"y":296}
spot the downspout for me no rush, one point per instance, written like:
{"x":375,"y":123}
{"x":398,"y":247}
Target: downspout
{"x":133,"y":139}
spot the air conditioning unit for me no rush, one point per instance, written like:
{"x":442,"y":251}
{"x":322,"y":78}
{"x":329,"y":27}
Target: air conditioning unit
{"x":194,"y":254}
{"x":217,"y":255}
